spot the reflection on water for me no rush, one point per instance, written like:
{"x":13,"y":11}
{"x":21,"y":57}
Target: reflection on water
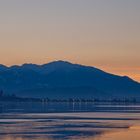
{"x":66,"y":107}
{"x":129,"y":134}
{"x":34,"y":121}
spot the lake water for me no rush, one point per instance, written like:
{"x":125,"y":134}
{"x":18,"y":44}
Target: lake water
{"x":62,"y":121}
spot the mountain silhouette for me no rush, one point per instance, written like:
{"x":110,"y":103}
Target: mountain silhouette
{"x":61,"y":79}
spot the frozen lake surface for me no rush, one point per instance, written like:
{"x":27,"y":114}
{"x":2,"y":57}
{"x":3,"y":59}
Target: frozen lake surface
{"x":83,"y":121}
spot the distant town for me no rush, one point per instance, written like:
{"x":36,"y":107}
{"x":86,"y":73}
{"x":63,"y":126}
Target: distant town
{"x":13,"y":98}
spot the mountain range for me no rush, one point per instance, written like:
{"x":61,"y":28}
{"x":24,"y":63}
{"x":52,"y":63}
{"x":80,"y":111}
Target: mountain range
{"x":62,"y":79}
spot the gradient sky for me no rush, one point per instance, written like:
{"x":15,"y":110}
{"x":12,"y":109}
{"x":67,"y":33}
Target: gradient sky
{"x":101,"y":33}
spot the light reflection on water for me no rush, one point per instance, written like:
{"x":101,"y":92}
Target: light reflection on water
{"x":128,"y":134}
{"x":65,"y":121}
{"x":67,"y":107}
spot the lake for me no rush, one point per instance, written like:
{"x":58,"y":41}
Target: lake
{"x":69,"y":121}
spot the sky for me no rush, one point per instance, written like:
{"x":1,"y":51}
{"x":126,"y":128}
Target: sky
{"x":100,"y":33}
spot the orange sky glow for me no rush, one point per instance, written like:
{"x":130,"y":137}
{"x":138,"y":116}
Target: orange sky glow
{"x":103,"y":34}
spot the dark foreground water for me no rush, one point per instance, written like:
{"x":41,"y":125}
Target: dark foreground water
{"x":61,"y":121}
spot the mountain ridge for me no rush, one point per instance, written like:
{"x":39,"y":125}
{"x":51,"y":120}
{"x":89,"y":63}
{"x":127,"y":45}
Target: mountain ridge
{"x":27,"y":65}
{"x":64,"y":79}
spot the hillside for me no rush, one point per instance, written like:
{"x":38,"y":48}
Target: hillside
{"x":61,"y":79}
